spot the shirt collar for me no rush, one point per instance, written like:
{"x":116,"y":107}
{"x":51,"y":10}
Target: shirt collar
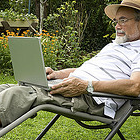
{"x":133,"y":43}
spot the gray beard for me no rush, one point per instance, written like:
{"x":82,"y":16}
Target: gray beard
{"x":121,"y":39}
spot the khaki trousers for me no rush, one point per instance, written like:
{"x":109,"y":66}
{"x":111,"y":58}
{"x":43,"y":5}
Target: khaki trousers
{"x":16,"y":100}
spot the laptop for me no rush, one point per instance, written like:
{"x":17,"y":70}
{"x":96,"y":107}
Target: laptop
{"x":28,"y":63}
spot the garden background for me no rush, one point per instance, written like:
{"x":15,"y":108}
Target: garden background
{"x":73,"y":32}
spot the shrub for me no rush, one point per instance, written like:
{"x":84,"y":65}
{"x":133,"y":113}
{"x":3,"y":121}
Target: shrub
{"x":61,"y":42}
{"x":67,"y":19}
{"x":9,"y":14}
{"x":5,"y":60}
{"x":71,"y":27}
{"x":55,"y":55}
{"x":4,"y":4}
{"x":50,"y":47}
{"x":19,"y":6}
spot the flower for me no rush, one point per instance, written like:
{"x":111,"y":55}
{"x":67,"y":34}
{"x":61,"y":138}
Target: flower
{"x":1,"y":38}
{"x":40,"y":34}
{"x":44,"y":31}
{"x":25,"y":32}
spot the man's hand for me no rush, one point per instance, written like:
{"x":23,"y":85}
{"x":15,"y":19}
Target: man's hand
{"x":60,"y":74}
{"x":70,"y":87}
{"x":51,"y":74}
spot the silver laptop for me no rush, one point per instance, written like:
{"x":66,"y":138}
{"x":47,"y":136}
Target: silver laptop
{"x":28,"y":63}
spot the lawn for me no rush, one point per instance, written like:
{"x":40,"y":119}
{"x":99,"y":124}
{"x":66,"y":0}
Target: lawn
{"x":65,"y":128}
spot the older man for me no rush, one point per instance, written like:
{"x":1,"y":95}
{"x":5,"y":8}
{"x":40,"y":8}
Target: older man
{"x":116,"y":70}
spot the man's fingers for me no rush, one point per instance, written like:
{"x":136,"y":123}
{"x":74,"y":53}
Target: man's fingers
{"x":60,"y":90}
{"x":50,"y":73}
{"x":60,"y":85}
{"x":48,"y":70}
{"x":70,"y":87}
{"x":51,"y":76}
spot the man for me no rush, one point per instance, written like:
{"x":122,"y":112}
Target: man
{"x":116,"y":70}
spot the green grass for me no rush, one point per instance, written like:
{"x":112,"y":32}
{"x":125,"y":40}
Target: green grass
{"x":64,"y":128}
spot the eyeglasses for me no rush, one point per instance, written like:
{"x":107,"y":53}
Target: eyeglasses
{"x":120,"y":21}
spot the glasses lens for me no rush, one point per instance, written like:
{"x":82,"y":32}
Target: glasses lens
{"x":123,"y":21}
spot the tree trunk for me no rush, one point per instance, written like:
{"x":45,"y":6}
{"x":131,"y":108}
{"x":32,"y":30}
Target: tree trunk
{"x":37,"y":8}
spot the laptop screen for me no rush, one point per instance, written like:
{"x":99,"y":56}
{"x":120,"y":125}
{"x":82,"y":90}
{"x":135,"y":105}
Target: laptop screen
{"x":27,"y":60}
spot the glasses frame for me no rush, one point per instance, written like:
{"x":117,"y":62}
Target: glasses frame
{"x":120,"y":21}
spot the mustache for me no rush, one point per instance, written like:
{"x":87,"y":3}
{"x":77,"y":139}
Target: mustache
{"x":120,"y":31}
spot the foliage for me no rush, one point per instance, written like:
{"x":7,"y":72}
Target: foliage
{"x":99,"y":31}
{"x":71,"y":27}
{"x":65,"y":19}
{"x":81,"y":26}
{"x":5,"y":60}
{"x":4,"y":4}
{"x":9,"y":14}
{"x":98,"y":25}
{"x":87,"y":18}
{"x":17,"y":9}
{"x":110,"y":30}
{"x":55,"y":55}
{"x":19,"y":6}
{"x":50,"y":47}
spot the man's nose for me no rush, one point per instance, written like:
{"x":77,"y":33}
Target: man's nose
{"x":118,"y":27}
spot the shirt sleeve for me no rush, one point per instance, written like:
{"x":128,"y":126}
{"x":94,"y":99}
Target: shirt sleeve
{"x":136,"y":64}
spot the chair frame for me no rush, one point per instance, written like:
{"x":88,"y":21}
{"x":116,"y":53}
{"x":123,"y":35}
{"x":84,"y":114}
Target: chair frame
{"x":115,"y":124}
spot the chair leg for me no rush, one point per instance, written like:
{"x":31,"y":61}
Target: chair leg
{"x":121,"y":135}
{"x":50,"y":124}
{"x":111,"y":134}
{"x":116,"y":127}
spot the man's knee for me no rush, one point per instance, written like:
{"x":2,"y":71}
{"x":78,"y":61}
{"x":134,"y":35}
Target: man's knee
{"x":14,"y":102}
{"x":6,"y":86}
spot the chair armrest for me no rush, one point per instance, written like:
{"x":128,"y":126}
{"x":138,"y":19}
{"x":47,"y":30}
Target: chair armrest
{"x":109,"y":95}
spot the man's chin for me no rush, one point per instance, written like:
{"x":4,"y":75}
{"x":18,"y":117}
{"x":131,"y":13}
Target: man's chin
{"x":121,"y":39}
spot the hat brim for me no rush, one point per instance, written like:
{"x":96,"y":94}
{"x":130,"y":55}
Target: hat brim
{"x":111,"y":10}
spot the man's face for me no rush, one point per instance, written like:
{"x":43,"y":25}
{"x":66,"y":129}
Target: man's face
{"x":129,"y":30}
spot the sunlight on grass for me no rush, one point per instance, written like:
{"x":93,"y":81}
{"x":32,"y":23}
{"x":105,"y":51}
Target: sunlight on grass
{"x":4,"y":79}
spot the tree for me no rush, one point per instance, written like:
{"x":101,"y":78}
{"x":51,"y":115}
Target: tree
{"x":42,"y":6}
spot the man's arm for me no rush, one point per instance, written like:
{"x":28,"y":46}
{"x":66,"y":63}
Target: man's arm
{"x":74,"y":87}
{"x":61,"y":74}
{"x":130,"y":87}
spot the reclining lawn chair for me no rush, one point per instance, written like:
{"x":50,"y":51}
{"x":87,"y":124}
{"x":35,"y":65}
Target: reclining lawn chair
{"x":115,"y":124}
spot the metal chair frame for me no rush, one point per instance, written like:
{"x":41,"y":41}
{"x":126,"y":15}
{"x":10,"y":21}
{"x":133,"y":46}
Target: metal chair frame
{"x":115,"y":124}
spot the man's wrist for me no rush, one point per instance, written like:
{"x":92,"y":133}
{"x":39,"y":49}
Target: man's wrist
{"x":90,"y":87}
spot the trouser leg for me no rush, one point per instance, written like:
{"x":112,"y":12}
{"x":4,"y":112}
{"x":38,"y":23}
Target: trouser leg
{"x":17,"y":100}
{"x":6,"y":86}
{"x":14,"y":102}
